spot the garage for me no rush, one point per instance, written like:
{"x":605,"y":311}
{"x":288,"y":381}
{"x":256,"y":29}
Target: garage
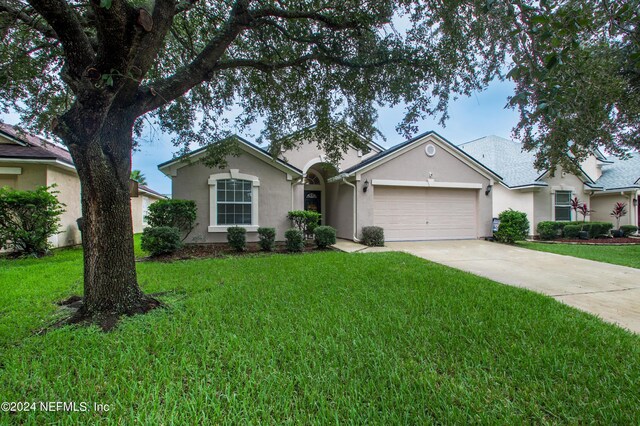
{"x":410,"y":213}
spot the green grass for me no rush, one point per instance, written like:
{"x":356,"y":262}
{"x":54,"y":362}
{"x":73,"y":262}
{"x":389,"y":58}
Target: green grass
{"x":381,"y":338}
{"x":625,"y":255}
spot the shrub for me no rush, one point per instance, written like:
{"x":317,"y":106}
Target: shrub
{"x":179,"y":214}
{"x":628,"y":229}
{"x":160,"y":240}
{"x":596,"y":229}
{"x":373,"y":236}
{"x":572,"y":231}
{"x":514,"y":226}
{"x":237,"y":238}
{"x":305,"y":220}
{"x":325,"y":236}
{"x":549,"y":230}
{"x":295,"y":240}
{"x":28,"y":219}
{"x":267,"y":238}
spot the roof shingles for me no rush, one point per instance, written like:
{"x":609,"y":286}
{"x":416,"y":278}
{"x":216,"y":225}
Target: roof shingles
{"x":33,"y":147}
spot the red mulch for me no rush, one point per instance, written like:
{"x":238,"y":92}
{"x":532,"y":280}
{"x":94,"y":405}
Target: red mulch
{"x":598,"y":241}
{"x":219,"y":250}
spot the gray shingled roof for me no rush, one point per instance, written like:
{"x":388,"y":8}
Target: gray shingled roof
{"x":506,"y":158}
{"x":621,"y":173}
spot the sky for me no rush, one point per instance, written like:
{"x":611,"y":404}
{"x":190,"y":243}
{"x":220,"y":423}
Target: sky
{"x":479,"y":115}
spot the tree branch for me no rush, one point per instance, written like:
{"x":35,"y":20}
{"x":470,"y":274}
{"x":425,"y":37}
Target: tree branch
{"x":207,"y":62}
{"x":164,"y":91}
{"x":63,"y":20}
{"x":328,"y":21}
{"x":22,"y":14}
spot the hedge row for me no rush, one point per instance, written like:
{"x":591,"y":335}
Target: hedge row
{"x":549,"y":230}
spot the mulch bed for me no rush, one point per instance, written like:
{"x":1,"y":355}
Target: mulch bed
{"x":219,"y":250}
{"x":596,"y":241}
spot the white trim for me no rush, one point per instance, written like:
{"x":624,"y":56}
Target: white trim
{"x":434,"y":138}
{"x":613,"y":191}
{"x":312,"y":162}
{"x":430,"y":183}
{"x":213,"y":200}
{"x":221,"y":229}
{"x":10,"y":170}
{"x":57,"y":163}
{"x":563,"y":188}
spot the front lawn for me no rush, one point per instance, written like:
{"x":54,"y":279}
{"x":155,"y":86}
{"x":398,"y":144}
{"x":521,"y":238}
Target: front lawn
{"x":626,"y":255}
{"x":380,"y":338}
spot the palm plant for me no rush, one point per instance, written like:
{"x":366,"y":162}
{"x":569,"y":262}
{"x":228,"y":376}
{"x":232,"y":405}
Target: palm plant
{"x":138,"y":176}
{"x":619,"y":211}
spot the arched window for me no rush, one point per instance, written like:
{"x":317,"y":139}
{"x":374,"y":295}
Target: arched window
{"x":312,"y":179}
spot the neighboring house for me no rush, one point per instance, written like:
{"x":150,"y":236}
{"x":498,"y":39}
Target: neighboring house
{"x":27,"y":162}
{"x":600,"y":183}
{"x":424,"y":188}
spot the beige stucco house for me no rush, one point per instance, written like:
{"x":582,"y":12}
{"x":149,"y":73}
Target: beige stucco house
{"x":601,"y":182}
{"x":27,"y":162}
{"x":424,"y":188}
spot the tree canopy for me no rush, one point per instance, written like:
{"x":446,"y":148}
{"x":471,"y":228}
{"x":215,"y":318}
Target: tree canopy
{"x":577,"y":74}
{"x":286,"y":63}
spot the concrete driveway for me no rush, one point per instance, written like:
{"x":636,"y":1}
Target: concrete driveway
{"x":609,"y":291}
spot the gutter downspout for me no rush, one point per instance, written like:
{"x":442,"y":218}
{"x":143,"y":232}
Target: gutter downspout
{"x":355,"y":209}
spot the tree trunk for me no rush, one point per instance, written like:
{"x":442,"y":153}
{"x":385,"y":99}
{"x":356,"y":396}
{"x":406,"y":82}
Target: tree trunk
{"x":104,"y":165}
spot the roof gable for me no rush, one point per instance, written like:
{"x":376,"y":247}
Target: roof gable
{"x":170,"y":167}
{"x":375,"y":147}
{"x":396,"y":150}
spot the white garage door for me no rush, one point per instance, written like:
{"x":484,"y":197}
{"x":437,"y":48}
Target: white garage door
{"x":425,"y":213}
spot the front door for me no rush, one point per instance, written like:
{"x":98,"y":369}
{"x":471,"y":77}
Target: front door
{"x":313,"y":201}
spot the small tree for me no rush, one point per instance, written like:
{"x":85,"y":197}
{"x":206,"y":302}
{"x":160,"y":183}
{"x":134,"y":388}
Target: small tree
{"x":619,"y":211}
{"x":585,"y":211}
{"x":28,"y":219}
{"x":179,"y":214}
{"x":575,"y":206}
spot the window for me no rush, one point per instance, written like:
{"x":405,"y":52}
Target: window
{"x":234,"y":202}
{"x":563,"y":205}
{"x":313,"y":179}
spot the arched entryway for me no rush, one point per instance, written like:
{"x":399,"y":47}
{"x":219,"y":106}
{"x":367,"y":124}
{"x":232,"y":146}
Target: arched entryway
{"x":315,"y":189}
{"x":315,"y":193}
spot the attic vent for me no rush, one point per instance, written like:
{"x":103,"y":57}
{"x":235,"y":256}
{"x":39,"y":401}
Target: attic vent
{"x":430,"y":150}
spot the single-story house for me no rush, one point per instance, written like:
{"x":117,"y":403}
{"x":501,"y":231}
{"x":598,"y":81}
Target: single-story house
{"x":424,"y":188}
{"x":28,"y":161}
{"x":601,"y":182}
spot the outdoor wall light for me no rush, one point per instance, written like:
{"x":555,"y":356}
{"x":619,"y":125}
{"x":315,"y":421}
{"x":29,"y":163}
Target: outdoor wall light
{"x":635,"y":202}
{"x":488,"y":190}
{"x":365,"y":186}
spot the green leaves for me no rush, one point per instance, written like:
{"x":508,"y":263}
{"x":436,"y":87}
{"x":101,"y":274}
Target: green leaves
{"x":106,"y":4}
{"x":28,"y":219}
